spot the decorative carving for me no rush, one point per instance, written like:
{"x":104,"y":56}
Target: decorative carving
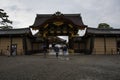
{"x":44,"y":35}
{"x":70,"y":26}
{"x":64,"y":31}
{"x":46,"y":26}
{"x":72,"y":34}
{"x":58,"y":31}
{"x":51,"y":31}
{"x":58,"y":13}
{"x":57,"y":23}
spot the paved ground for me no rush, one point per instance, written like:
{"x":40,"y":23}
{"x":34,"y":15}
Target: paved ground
{"x":84,"y":67}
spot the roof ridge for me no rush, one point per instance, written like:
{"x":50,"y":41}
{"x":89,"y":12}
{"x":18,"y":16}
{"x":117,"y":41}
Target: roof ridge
{"x":77,"y":14}
{"x":102,"y":28}
{"x":13,"y":29}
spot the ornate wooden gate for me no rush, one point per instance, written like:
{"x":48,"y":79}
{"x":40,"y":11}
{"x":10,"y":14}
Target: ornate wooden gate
{"x":58,"y":24}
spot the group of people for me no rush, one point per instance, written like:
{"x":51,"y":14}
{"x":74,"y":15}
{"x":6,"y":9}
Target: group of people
{"x":56,"y":50}
{"x":13,"y":51}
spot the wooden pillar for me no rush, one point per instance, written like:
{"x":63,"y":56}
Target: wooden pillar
{"x":70,"y":43}
{"x":79,"y":43}
{"x":45,"y":36}
{"x":116,"y":44}
{"x":91,"y":44}
{"x":47,"y":43}
{"x":104,"y":44}
{"x":10,"y":45}
{"x":71,"y":51}
{"x":85,"y":48}
{"x":24,"y":45}
{"x":32,"y":46}
{"x":71,"y":35}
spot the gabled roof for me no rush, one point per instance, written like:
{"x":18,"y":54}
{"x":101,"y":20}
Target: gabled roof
{"x":41,"y":18}
{"x":15,"y":31}
{"x":98,"y":31}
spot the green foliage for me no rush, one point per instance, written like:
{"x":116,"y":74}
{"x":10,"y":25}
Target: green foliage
{"x":104,"y":25}
{"x":6,"y":27}
{"x":4,"y":20}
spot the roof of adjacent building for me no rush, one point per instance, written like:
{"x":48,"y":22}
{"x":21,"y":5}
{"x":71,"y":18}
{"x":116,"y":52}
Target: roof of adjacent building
{"x":15,"y":31}
{"x":98,"y":31}
{"x":41,"y":18}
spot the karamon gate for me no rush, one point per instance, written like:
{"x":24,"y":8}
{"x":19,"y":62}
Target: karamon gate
{"x":58,"y":24}
{"x":50,"y":27}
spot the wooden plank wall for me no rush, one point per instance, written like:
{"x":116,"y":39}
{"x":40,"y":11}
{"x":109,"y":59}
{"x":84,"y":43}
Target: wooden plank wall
{"x":105,"y":45}
{"x":5,"y":42}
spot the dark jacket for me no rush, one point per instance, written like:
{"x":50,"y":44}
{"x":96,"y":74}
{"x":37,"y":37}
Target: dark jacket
{"x":56,"y":49}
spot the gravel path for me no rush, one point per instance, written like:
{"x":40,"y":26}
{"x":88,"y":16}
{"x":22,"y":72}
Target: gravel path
{"x":84,"y":67}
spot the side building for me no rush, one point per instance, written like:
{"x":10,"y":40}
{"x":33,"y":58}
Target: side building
{"x":18,"y":40}
{"x":95,"y":41}
{"x":102,"y":41}
{"x":49,"y":26}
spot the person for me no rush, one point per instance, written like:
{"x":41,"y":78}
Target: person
{"x":13,"y":51}
{"x":56,"y":49}
{"x":8,"y":53}
{"x":45,"y":51}
{"x":64,"y":50}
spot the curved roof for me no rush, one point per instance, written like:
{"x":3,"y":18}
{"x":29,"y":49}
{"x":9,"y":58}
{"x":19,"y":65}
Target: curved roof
{"x":41,"y":18}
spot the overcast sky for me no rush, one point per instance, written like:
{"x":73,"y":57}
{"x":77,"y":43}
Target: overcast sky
{"x":93,"y":12}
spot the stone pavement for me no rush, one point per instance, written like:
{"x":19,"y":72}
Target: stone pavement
{"x":83,"y":67}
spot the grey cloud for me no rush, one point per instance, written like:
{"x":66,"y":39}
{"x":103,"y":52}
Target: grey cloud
{"x":93,"y":12}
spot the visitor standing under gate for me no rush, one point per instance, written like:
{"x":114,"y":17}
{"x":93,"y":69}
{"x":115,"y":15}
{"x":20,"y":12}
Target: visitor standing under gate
{"x":56,"y":49}
{"x":64,"y":50}
{"x":45,"y":51}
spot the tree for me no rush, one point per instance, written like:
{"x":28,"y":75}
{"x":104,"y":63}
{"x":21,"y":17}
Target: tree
{"x":4,"y":20}
{"x":104,"y":25}
{"x":6,"y":27}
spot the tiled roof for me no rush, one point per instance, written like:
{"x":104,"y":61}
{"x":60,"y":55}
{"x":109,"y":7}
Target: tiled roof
{"x":102,"y":31}
{"x":41,"y":18}
{"x":15,"y":31}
